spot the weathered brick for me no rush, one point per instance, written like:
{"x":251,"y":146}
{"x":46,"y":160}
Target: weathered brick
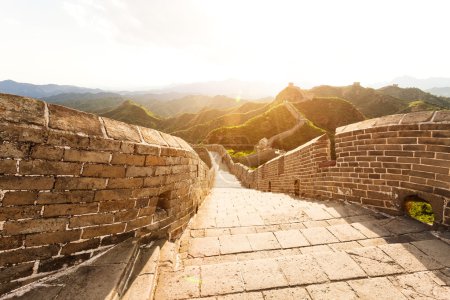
{"x":91,"y":220}
{"x":441,"y":134}
{"x":54,"y":210}
{"x":67,"y":119}
{"x":11,"y":242}
{"x":115,"y":205}
{"x":42,"y":167}
{"x":91,"y":232}
{"x":8,"y":166}
{"x":127,"y":215}
{"x":10,"y":150}
{"x":121,"y":131}
{"x":133,"y":171}
{"x":148,"y":149}
{"x":152,"y":136}
{"x":86,"y":156}
{"x":65,"y":197}
{"x":48,"y":238}
{"x":46,"y":152}
{"x":435,"y":141}
{"x":15,"y":272}
{"x":26,"y":183}
{"x":21,"y":110}
{"x":53,"y":264}
{"x":144,"y":221}
{"x":436,"y":162}
{"x":155,"y":161}
{"x":145,"y":192}
{"x":118,"y":194}
{"x":32,"y":226}
{"x":58,"y":138}
{"x":431,"y":169}
{"x":19,"y":198}
{"x":127,"y":159}
{"x":20,"y":212}
{"x":127,"y":147}
{"x":71,"y":248}
{"x":28,"y":254}
{"x":154,"y":181}
{"x":418,"y":187}
{"x":69,"y":183}
{"x":122,"y":183}
{"x":22,"y":133}
{"x":102,"y":144}
{"x":116,"y":238}
{"x":103,"y":171}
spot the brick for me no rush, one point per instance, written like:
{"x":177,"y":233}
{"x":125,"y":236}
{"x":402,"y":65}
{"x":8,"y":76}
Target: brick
{"x":32,"y":226}
{"x":441,"y":134}
{"x":118,"y":194}
{"x":402,"y":140}
{"x":8,"y":166}
{"x":58,"y":138}
{"x":116,"y":238}
{"x":22,"y":133}
{"x":42,"y":167}
{"x":46,"y":152}
{"x":127,"y":159}
{"x":121,"y":131}
{"x":11,"y":242}
{"x":103,"y":171}
{"x":21,"y":110}
{"x":19,"y":198}
{"x":434,"y":148}
{"x":133,"y":171}
{"x":435,"y":141}
{"x":431,"y":169}
{"x":58,"y":263}
{"x":65,"y":197}
{"x":122,"y":183}
{"x":102,"y":144}
{"x":20,"y":212}
{"x":116,"y":205}
{"x":26,"y":183}
{"x":9,"y":150}
{"x":145,"y":192}
{"x":127,"y":147}
{"x":91,"y":232}
{"x":124,"y":216}
{"x":414,"y":133}
{"x":399,"y":153}
{"x":418,"y":187}
{"x":91,"y":220}
{"x":147,"y":211}
{"x":49,"y":238}
{"x":28,"y":254}
{"x":71,"y":248}
{"x":373,"y":202}
{"x":148,"y":149}
{"x":144,"y":221}
{"x":442,"y":192}
{"x":155,"y":161}
{"x":86,"y":156}
{"x":70,"y":209}
{"x":68,"y":183}
{"x":15,"y":272}
{"x":436,"y":162}
{"x":424,"y":154}
{"x":67,"y":119}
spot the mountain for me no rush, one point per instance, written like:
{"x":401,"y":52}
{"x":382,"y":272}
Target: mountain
{"x":415,"y":94}
{"x":133,"y":113}
{"x":231,"y":88}
{"x":40,"y":91}
{"x":89,"y":102}
{"x":440,"y":91}
{"x":409,"y":81}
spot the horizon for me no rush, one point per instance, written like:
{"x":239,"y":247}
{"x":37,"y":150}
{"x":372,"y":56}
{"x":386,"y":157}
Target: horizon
{"x":115,"y":45}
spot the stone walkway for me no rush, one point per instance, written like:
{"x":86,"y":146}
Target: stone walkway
{"x":246,"y":244}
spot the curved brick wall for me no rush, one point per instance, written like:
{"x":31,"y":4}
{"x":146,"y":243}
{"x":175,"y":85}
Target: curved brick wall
{"x":379,"y":163}
{"x":73,"y":184}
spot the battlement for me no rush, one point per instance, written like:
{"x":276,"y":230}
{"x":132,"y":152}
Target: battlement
{"x":73,"y":184}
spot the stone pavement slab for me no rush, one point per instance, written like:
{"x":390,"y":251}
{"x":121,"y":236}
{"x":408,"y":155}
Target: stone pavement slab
{"x":262,"y":274}
{"x":339,"y":265}
{"x":301,"y":269}
{"x":221,"y":279}
{"x":331,"y":291}
{"x":318,"y":236}
{"x":291,"y":238}
{"x":375,"y":262}
{"x":376,"y":289}
{"x":234,"y":244}
{"x":296,"y":293}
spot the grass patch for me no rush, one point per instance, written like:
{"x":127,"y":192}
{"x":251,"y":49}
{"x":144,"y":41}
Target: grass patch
{"x":238,"y":154}
{"x":420,"y":210}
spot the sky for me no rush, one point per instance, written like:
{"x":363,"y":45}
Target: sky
{"x":138,"y":44}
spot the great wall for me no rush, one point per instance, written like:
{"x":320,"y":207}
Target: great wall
{"x":73,"y":185}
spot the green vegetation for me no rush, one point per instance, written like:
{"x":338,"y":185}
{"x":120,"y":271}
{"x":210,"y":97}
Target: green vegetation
{"x":420,"y":210}
{"x":133,"y":113}
{"x":302,"y":135}
{"x":241,"y":153}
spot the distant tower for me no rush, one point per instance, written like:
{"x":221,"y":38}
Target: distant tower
{"x":291,"y":84}
{"x":356,"y":84}
{"x":395,"y":85}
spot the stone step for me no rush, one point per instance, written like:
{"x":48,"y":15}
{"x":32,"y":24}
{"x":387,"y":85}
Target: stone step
{"x":104,"y":277}
{"x":389,"y":263}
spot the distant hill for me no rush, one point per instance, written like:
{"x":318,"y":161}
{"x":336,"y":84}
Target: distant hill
{"x":421,"y":83}
{"x":133,"y":113}
{"x":89,"y":102}
{"x":440,"y":91}
{"x":40,"y":91}
{"x":384,"y":101}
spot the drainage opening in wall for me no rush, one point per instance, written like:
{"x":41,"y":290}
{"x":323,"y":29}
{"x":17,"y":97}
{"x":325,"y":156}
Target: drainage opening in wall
{"x":270,"y":186}
{"x":419,"y":209}
{"x":162,"y":205}
{"x":297,"y":188}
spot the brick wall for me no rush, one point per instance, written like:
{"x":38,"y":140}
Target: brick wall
{"x":73,"y":184}
{"x":379,"y":162}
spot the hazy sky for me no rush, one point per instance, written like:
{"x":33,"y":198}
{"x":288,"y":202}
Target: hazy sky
{"x":146,"y":43}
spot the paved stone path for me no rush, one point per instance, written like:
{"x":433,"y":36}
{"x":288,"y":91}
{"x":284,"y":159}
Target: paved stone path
{"x":246,"y":244}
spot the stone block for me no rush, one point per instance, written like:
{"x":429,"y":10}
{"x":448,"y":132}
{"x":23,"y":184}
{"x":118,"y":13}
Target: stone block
{"x":43,"y":167}
{"x":86,"y":156}
{"x":127,"y":159}
{"x":152,"y":136}
{"x":106,"y":171}
{"x":69,"y":209}
{"x":12,"y":150}
{"x":91,"y":232}
{"x":69,"y":183}
{"x":46,"y":152}
{"x":121,"y":131}
{"x":71,"y":120}
{"x":26,"y":183}
{"x":19,"y":109}
{"x":91,"y":220}
{"x":48,"y":238}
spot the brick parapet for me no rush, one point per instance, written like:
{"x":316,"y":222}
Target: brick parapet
{"x":73,"y":184}
{"x":379,"y":162}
